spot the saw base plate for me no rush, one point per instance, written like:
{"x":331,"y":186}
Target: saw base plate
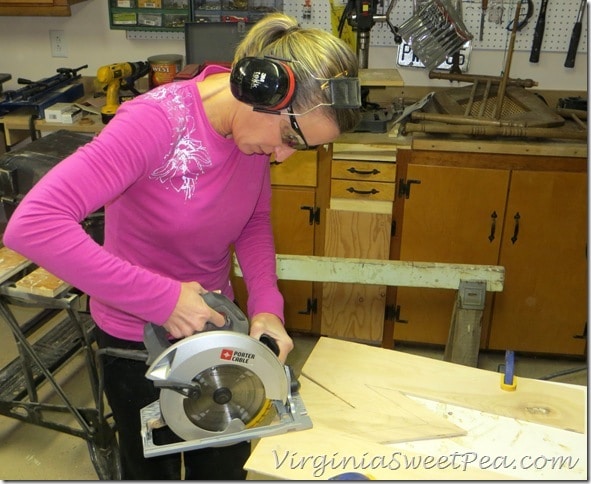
{"x":290,"y":416}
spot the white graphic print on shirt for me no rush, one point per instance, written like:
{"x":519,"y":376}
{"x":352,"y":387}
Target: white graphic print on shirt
{"x":187,"y":158}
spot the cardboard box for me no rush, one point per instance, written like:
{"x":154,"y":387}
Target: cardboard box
{"x":64,"y":113}
{"x":124,"y":18}
{"x":149,"y":3}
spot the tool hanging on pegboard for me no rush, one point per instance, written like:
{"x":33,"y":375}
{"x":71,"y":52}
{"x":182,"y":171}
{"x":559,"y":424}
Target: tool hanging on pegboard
{"x":575,"y":37}
{"x":496,"y":10}
{"x":534,"y":55}
{"x":524,"y":15}
{"x":558,"y":25}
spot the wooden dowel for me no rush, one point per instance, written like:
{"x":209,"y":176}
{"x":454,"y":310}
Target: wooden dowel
{"x":484,"y":99}
{"x":471,"y":100}
{"x":458,"y":119}
{"x":477,"y":77}
{"x":503,"y":85}
{"x":511,"y":131}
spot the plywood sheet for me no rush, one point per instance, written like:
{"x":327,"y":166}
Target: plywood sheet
{"x":340,"y":365}
{"x":321,"y":453}
{"x":11,"y":262}
{"x":355,"y":395}
{"x":374,"y":414}
{"x":42,"y":283}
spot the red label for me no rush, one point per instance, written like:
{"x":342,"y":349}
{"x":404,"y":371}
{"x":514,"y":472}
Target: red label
{"x":227,"y":354}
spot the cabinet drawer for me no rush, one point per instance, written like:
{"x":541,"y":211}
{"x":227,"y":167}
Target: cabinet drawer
{"x":363,"y":170}
{"x":362,"y":190}
{"x":300,"y":169}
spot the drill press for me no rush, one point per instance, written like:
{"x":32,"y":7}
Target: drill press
{"x":362,"y":16}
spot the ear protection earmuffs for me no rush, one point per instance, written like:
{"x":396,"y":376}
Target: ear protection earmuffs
{"x":266,"y":84}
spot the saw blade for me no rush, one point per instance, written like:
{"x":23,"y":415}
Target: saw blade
{"x":217,"y":383}
{"x":227,"y":392}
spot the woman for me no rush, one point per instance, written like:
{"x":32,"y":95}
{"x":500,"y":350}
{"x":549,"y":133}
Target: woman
{"x":183,"y":174}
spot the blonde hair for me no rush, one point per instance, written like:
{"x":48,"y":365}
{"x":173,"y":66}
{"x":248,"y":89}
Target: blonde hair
{"x":319,"y":55}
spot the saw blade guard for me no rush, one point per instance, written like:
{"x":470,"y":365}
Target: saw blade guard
{"x":260,"y":377}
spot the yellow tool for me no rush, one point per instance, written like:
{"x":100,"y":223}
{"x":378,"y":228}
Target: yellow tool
{"x":508,"y":379}
{"x":116,"y":77}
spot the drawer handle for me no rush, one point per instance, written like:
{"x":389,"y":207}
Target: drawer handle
{"x":275,"y":162}
{"x":375,"y":171}
{"x":373,"y":191}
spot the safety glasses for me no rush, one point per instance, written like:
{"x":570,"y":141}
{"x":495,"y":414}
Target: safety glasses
{"x":291,"y":134}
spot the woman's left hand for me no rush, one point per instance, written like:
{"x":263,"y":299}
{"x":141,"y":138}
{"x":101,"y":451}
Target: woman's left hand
{"x":272,"y":326}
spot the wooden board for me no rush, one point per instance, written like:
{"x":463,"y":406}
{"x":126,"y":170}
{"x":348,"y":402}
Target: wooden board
{"x":42,"y":283}
{"x":356,"y":387}
{"x":11,"y":262}
{"x":339,"y":366}
{"x":383,"y":272}
{"x":380,"y":77}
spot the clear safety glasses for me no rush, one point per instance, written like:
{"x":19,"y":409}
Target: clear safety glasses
{"x":291,"y":133}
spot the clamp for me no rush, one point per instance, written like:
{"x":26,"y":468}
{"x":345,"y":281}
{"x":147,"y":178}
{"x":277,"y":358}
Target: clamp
{"x":508,"y":379}
{"x":523,"y":22}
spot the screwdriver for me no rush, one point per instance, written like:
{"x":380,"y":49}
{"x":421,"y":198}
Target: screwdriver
{"x":482,"y":18}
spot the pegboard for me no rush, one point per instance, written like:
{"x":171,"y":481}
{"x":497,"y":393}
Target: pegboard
{"x":560,"y":20}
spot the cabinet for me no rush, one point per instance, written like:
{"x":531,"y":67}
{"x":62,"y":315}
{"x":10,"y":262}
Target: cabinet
{"x":230,"y":10}
{"x":358,"y":225}
{"x":298,"y":211}
{"x":38,"y":8}
{"x":525,"y":213}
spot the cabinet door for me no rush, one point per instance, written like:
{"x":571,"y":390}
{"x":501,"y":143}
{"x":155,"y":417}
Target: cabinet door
{"x":453,"y":215}
{"x":59,"y":8}
{"x":294,"y":234}
{"x":543,"y":307}
{"x":355,"y":311}
{"x":293,"y":228}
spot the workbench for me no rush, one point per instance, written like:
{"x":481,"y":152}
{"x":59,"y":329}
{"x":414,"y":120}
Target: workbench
{"x":397,"y":416}
{"x":19,"y":125}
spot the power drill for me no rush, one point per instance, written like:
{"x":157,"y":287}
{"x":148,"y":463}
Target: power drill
{"x":119,"y":76}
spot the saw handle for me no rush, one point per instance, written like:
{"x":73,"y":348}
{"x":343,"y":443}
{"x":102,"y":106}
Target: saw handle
{"x":270,"y":342}
{"x":235,"y":318}
{"x":155,"y":340}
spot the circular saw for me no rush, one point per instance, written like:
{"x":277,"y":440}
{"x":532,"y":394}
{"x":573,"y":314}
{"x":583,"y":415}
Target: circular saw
{"x":218,"y":387}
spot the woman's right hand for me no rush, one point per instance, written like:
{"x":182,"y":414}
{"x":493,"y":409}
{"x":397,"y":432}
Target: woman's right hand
{"x":191,"y":312}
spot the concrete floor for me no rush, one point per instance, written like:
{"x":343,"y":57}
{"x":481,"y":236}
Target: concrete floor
{"x":30,"y":452}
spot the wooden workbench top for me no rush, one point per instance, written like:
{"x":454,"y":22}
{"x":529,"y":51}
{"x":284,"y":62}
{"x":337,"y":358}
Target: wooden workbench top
{"x":510,"y":146}
{"x":391,"y":141}
{"x":365,"y":405}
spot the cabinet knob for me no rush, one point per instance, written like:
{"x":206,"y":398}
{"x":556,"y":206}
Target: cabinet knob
{"x":404,"y":187}
{"x":393,"y":314}
{"x":493,"y":226}
{"x":311,"y":307}
{"x":314,"y":217}
{"x":516,"y":218}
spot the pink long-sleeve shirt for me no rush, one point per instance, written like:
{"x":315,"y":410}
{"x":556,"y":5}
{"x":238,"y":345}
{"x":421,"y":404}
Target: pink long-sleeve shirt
{"x":176,"y":195}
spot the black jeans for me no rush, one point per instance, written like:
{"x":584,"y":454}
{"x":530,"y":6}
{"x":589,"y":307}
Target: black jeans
{"x":128,"y":390}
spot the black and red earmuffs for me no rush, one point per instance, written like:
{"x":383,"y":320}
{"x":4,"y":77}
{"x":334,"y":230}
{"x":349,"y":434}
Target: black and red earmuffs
{"x":267,"y":84}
